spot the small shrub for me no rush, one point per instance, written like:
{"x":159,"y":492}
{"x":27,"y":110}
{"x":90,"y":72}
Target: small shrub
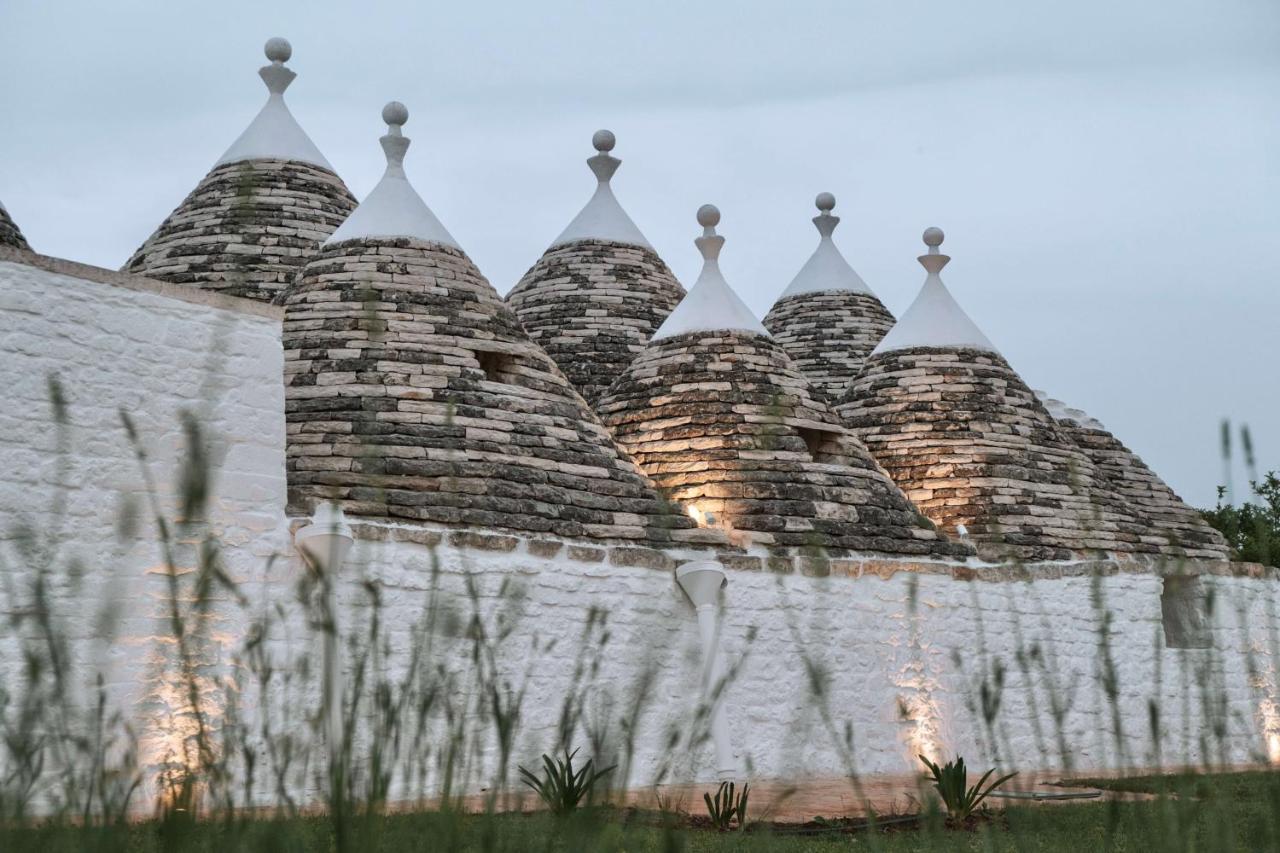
{"x":950,"y":781}
{"x":1252,"y":530}
{"x":561,"y":787}
{"x":727,"y":806}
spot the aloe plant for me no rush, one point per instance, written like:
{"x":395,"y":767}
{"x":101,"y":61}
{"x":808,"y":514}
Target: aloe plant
{"x":561,"y":787}
{"x":951,"y":781}
{"x":728,"y":805}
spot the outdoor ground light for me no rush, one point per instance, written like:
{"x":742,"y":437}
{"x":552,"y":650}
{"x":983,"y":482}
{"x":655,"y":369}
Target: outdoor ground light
{"x":702,"y":581}
{"x":324,"y":544}
{"x":327,"y":540}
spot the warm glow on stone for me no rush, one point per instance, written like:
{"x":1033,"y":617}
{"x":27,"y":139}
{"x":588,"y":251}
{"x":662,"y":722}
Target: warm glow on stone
{"x":1269,"y":714}
{"x":699,"y":517}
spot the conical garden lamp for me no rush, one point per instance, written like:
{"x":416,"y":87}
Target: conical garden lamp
{"x":327,"y":540}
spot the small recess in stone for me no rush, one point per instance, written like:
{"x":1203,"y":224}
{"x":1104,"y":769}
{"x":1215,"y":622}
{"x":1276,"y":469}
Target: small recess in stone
{"x":820,"y":442}
{"x":496,"y":365}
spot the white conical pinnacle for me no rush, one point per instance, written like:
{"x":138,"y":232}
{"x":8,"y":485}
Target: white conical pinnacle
{"x":603,"y":164}
{"x":710,"y":243}
{"x":394,"y":142}
{"x":275,"y":75}
{"x":934,"y":260}
{"x":825,"y":222}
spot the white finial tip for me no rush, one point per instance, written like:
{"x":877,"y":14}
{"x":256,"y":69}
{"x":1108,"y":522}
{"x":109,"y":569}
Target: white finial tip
{"x":825,"y":202}
{"x":278,"y":49}
{"x":395,"y":114}
{"x":933,"y":237}
{"x":604,"y":140}
{"x":708,"y":216}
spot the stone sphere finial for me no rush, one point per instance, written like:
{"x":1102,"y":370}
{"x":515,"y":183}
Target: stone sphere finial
{"x":825,"y":202}
{"x":933,"y":237}
{"x":603,"y":141}
{"x":395,"y":114}
{"x":278,"y":49}
{"x":708,"y":216}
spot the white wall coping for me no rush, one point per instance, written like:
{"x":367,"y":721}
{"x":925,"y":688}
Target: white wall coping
{"x":755,"y":560}
{"x":130,"y":281}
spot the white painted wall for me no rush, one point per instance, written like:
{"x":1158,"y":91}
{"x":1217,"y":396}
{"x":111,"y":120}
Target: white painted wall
{"x":878,"y":652}
{"x":119,"y":342}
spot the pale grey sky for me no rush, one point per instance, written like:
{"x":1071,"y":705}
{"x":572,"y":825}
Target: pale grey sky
{"x":1106,"y":172}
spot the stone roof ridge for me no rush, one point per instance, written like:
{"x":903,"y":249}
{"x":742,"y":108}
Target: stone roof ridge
{"x":711,"y":305}
{"x":602,"y":218}
{"x":1060,"y":411}
{"x":934,"y":319}
{"x":393,"y":208}
{"x":274,"y":134}
{"x":10,"y":234}
{"x":826,"y":268}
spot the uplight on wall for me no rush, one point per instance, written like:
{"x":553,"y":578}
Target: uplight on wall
{"x":1269,"y":716}
{"x":700,"y":518}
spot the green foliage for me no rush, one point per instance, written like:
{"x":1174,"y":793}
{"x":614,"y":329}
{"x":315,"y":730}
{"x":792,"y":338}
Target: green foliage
{"x":951,"y":781}
{"x":727,"y":806}
{"x":560,"y":787}
{"x":1251,"y":529}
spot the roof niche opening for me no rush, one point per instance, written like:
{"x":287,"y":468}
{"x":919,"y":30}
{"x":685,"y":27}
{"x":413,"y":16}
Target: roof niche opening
{"x":822,"y":444}
{"x":497,"y":366}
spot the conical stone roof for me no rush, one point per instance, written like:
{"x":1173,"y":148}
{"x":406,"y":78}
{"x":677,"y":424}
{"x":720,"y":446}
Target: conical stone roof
{"x":828,"y":319}
{"x":717,"y":415}
{"x":413,"y":393}
{"x":972,"y":447}
{"x":1127,"y":477}
{"x":260,"y":213}
{"x":10,"y":233}
{"x":598,"y":293}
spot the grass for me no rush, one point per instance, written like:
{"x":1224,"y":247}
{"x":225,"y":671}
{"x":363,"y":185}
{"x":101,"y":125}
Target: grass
{"x":1238,"y":816}
{"x":1245,"y":784}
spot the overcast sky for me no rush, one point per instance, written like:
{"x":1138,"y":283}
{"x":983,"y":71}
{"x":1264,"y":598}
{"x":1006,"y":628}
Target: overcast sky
{"x":1107,"y":172}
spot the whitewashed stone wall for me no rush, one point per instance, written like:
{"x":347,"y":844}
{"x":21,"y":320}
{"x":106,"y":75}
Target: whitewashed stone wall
{"x":883,"y":642}
{"x":118,"y":342}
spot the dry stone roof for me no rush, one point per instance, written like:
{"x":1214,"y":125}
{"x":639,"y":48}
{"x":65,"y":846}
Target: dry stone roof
{"x":724,"y":423}
{"x":260,"y":213}
{"x":1126,"y":476}
{"x":971,"y":445}
{"x":412,"y":392}
{"x":10,"y":233}
{"x":592,"y":302}
{"x":828,"y":319}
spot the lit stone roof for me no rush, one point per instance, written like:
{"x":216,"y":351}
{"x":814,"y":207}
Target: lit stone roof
{"x":10,"y":233}
{"x":711,"y":304}
{"x":826,"y":268}
{"x":603,"y":217}
{"x":274,"y":134}
{"x":413,"y":393}
{"x":393,"y":208}
{"x":1127,"y":478}
{"x":260,"y":213}
{"x":828,"y":320}
{"x":971,"y":445}
{"x":935,"y":319}
{"x":722,"y":421}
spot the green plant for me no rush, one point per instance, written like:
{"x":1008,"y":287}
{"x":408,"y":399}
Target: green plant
{"x":951,"y":781}
{"x":560,"y":787}
{"x":1251,"y":529}
{"x":728,"y":805}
